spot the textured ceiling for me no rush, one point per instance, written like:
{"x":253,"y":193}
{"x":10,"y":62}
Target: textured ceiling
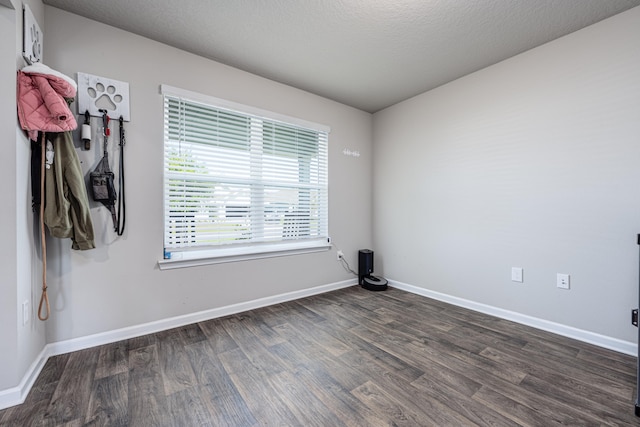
{"x":369,"y":54}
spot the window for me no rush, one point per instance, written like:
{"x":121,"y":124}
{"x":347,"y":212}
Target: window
{"x":239,"y":181}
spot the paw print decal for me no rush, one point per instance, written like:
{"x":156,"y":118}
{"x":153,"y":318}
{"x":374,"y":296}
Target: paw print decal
{"x":105,"y":98}
{"x":100,"y":93}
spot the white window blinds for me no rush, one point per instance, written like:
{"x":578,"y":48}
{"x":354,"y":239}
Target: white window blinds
{"x":233,"y":178}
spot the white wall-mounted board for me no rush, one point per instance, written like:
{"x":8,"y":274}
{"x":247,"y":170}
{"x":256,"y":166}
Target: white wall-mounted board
{"x":96,"y":93}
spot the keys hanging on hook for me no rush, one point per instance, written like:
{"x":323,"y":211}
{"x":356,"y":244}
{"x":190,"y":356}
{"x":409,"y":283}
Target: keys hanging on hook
{"x":105,"y":123}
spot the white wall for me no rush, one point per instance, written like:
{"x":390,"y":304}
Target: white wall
{"x":533,"y":162}
{"x":8,"y":313}
{"x":118,"y":284}
{"x":19,"y":344}
{"x":31,"y":337}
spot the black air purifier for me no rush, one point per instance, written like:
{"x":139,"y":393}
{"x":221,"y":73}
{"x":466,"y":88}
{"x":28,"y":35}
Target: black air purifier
{"x":366,"y":279}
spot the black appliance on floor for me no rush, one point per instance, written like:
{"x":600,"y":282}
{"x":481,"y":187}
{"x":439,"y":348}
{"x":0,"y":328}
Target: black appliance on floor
{"x":365,"y":269}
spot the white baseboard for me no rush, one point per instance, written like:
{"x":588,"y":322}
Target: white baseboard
{"x":614,"y":344}
{"x":16,"y":395}
{"x":89,"y":341}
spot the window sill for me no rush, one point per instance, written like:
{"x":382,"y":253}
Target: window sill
{"x":218,"y":256}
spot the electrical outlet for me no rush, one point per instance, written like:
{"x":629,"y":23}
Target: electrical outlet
{"x":340,"y":255}
{"x":516,"y":274}
{"x":562,"y":281}
{"x":25,"y":312}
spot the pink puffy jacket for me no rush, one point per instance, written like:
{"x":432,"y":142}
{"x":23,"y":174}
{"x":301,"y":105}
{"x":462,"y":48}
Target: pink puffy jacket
{"x":42,"y":104}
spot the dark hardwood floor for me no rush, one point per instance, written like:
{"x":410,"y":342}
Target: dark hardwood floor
{"x":345,"y":358}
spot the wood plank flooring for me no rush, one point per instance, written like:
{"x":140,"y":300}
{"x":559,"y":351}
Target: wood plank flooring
{"x":345,"y":358}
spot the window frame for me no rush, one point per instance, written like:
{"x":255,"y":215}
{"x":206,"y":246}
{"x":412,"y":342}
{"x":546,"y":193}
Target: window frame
{"x":186,"y":257}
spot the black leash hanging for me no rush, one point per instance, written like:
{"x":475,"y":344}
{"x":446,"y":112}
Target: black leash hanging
{"x":122,"y":216}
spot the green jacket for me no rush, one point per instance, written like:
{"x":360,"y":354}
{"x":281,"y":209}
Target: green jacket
{"x":66,"y":209}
